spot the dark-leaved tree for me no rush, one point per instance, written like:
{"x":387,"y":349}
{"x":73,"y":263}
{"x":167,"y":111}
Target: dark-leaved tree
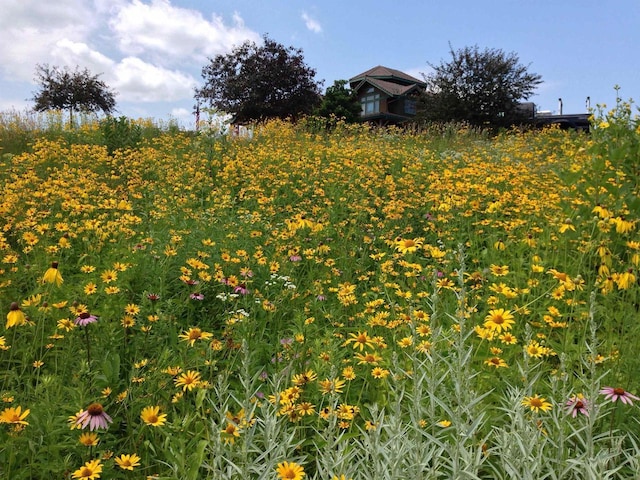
{"x":481,"y":87}
{"x":75,"y":91}
{"x":256,"y":82}
{"x":340,"y":102}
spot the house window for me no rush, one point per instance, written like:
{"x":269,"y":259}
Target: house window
{"x":410,"y":106}
{"x":370,"y":103}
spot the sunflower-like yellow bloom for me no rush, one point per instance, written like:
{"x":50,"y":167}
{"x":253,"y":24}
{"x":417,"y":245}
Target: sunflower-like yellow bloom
{"x":14,"y":415}
{"x":290,"y":471}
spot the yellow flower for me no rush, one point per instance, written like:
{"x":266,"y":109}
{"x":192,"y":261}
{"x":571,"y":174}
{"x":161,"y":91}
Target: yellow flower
{"x":89,"y":439}
{"x":132,"y":309}
{"x":499,"y":320}
{"x":14,"y":415}
{"x":408,"y":245}
{"x":496,"y":362}
{"x":128,"y":462}
{"x":15,"y":317}
{"x":109,"y":276}
{"x":290,"y":471}
{"x":499,"y":270}
{"x":359,"y":340}
{"x":152,"y":416}
{"x":331,"y":386}
{"x":52,"y":275}
{"x":230,"y":433}
{"x":379,"y":372}
{"x":536,"y":403}
{"x":188,"y":381}
{"x":194,"y":334}
{"x":90,"y":471}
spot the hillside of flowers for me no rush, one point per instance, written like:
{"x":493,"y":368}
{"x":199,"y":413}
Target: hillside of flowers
{"x":334,"y":304}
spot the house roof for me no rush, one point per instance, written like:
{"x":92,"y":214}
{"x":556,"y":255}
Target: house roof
{"x":388,"y":74}
{"x":390,"y":88}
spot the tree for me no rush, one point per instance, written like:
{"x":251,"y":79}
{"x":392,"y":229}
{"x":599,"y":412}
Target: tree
{"x":479,"y":87}
{"x":256,"y":82}
{"x":340,"y":102}
{"x":76,"y":90}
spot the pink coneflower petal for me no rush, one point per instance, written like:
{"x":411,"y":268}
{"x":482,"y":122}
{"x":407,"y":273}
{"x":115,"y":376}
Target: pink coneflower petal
{"x":94,"y":417}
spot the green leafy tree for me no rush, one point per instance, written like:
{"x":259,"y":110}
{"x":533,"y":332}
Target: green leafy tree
{"x":78,"y":90}
{"x":481,"y":87}
{"x":339,"y":101}
{"x":256,"y":82}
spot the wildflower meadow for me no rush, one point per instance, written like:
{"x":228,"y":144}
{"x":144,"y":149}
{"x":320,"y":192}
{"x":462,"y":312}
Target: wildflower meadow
{"x":341,"y":302}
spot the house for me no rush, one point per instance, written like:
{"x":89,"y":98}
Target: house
{"x":387,"y":96}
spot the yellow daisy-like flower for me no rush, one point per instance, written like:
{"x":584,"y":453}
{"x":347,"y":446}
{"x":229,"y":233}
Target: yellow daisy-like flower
{"x":14,"y":415}
{"x":152,"y":416}
{"x":193,"y":334}
{"x":90,"y":471}
{"x":132,"y":309}
{"x":128,"y":462}
{"x":536,"y":403}
{"x":290,"y":471}
{"x":359,"y":340}
{"x":498,"y":320}
{"x":496,"y":362}
{"x":408,"y":245}
{"x":188,"y":381}
{"x":230,"y":433}
{"x":499,"y":270}
{"x":89,"y":439}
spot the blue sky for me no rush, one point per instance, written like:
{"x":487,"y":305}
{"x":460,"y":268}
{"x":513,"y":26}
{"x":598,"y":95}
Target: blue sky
{"x":152,"y":51}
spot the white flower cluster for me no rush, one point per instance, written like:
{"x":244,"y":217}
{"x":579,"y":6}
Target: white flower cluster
{"x":281,"y":279}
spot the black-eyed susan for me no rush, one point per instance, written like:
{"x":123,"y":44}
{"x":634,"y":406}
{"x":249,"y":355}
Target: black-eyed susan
{"x":89,"y":471}
{"x":194,"y":334}
{"x":290,"y":471}
{"x":152,"y":416}
{"x":498,"y":320}
{"x":128,"y":462}
{"x":496,"y":362}
{"x":536,"y":403}
{"x":14,"y":415}
{"x":334,"y":386}
{"x":89,"y":439}
{"x":230,"y":433}
{"x":188,"y":380}
{"x":359,"y":340}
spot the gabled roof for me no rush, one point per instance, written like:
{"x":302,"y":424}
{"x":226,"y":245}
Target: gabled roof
{"x":388,"y":74}
{"x":390,"y":88}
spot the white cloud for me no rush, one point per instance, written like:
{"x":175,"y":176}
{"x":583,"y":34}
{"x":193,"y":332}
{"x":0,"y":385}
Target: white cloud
{"x":311,"y":24}
{"x":172,"y":34}
{"x":70,"y":53}
{"x":139,"y":81}
{"x":30,"y":28}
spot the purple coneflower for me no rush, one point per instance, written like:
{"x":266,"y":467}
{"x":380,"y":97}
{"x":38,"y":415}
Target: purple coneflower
{"x":577,"y":404}
{"x":196,"y":296}
{"x":85,"y":318}
{"x":241,"y":289}
{"x":614,"y":394}
{"x":295,"y":258}
{"x":95,"y":417}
